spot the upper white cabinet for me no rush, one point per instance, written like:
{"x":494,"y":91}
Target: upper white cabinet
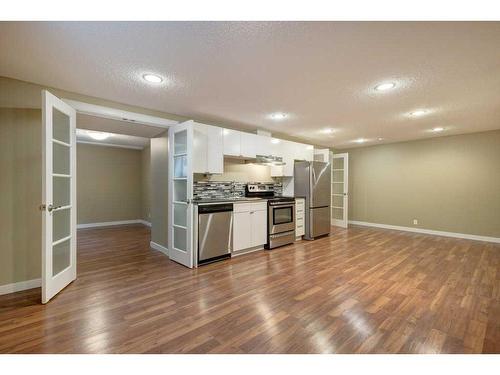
{"x":291,"y":151}
{"x":306,"y":152}
{"x":208,"y":146}
{"x":212,"y":143}
{"x":232,"y":142}
{"x":249,"y":145}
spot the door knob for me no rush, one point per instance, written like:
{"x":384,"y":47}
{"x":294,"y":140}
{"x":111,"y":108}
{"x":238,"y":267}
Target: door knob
{"x":51,"y":208}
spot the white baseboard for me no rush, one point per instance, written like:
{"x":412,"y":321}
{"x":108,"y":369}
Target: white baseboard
{"x":112,"y":223}
{"x":428,"y":231}
{"x":144,"y":222}
{"x":158,"y":247}
{"x":19,"y":286}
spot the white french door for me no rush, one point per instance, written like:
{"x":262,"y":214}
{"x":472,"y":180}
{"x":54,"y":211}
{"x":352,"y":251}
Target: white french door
{"x":340,"y":187}
{"x":180,"y":236}
{"x":58,"y":195}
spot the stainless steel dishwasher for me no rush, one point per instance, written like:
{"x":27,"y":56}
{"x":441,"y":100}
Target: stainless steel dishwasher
{"x":215,"y":232}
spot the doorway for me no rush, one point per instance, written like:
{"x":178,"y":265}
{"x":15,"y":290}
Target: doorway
{"x":102,"y":157}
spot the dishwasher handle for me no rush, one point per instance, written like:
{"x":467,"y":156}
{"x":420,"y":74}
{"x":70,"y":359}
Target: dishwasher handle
{"x":212,"y":208}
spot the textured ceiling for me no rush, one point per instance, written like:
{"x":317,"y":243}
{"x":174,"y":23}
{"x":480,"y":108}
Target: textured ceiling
{"x":322,"y":74}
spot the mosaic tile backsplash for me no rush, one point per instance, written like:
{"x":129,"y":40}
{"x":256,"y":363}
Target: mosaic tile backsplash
{"x":225,"y":189}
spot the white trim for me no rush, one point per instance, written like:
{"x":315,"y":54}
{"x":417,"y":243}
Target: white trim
{"x":19,"y":286}
{"x":112,"y":223}
{"x":428,"y":231}
{"x":158,"y":247}
{"x":144,"y":222}
{"x":345,"y":184}
{"x":118,"y":114}
{"x":110,"y":145}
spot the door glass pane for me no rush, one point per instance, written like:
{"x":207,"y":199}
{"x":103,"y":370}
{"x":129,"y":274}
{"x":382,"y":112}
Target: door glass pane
{"x":338,"y":201}
{"x":338,"y":176}
{"x":61,"y":257}
{"x":180,"y":142}
{"x":180,"y":191}
{"x":180,"y":214}
{"x":61,"y":224}
{"x":60,"y":159}
{"x":338,"y":188}
{"x":60,"y":126}
{"x":338,"y":163}
{"x":180,"y":237}
{"x":61,"y":191}
{"x":180,"y":166}
{"x":338,"y":213}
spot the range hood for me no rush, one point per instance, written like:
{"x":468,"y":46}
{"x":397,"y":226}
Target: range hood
{"x":269,"y":160}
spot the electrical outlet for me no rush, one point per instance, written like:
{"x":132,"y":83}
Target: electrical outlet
{"x":415,"y":222}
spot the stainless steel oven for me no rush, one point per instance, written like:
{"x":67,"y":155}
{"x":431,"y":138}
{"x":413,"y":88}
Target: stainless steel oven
{"x":280,"y":222}
{"x":281,"y":217}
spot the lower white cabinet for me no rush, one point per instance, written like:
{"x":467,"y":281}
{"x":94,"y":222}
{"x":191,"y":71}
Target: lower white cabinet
{"x":299,"y":217}
{"x":249,"y":225}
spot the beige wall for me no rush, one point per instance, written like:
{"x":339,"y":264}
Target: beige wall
{"x":109,"y":184}
{"x":146,"y":183}
{"x":20,"y":194}
{"x":21,"y":179}
{"x":159,"y":189}
{"x":240,"y":171}
{"x":447,"y":183}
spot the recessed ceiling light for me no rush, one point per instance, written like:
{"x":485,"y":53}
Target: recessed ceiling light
{"x":98,"y":136}
{"x":360,"y":140}
{"x":327,"y":131}
{"x":278,"y":116}
{"x":152,"y":78}
{"x":438,"y":129}
{"x":385,"y":86}
{"x":418,"y":112}
{"x":275,"y":141}
{"x":380,"y":139}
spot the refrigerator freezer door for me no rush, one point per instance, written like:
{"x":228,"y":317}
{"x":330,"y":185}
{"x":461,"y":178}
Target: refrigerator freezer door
{"x":302,"y":178}
{"x":319,"y":219}
{"x":321,"y":184}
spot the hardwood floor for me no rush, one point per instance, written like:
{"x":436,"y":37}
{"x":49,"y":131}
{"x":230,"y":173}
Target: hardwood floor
{"x":360,"y":290}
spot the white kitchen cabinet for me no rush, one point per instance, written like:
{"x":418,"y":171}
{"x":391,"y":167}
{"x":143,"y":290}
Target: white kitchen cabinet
{"x":249,"y":225}
{"x":299,"y":217}
{"x":232,"y":142}
{"x":282,"y":149}
{"x":208,"y":144}
{"x":259,"y":227}
{"x":307,"y":152}
{"x":249,"y":145}
{"x":242,"y":235}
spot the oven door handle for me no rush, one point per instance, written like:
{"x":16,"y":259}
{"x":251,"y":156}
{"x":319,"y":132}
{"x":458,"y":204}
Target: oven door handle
{"x":282,"y":204}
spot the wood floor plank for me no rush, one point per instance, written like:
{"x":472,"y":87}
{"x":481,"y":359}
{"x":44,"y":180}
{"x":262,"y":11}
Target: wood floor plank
{"x":360,"y":290}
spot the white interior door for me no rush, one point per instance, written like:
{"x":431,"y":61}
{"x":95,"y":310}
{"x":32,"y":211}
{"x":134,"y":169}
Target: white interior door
{"x":58,"y":195}
{"x":340,"y":186}
{"x":180,"y":237}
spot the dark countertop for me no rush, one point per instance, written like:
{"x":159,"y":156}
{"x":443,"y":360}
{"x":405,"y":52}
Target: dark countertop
{"x":229,"y":200}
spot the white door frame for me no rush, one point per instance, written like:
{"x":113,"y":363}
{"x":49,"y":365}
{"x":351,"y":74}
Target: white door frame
{"x":345,"y":218}
{"x":53,"y":284}
{"x":185,"y":258}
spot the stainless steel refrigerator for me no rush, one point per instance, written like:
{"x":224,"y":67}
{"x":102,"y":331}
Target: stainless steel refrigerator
{"x":313,"y":181}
